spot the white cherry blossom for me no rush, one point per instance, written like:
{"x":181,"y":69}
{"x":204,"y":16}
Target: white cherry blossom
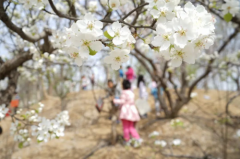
{"x":178,"y":55}
{"x":184,"y":31}
{"x":117,"y":57}
{"x":114,"y":4}
{"x":231,"y":6}
{"x":120,"y":34}
{"x":74,"y":53}
{"x":164,"y":37}
{"x":161,"y":143}
{"x":163,"y":11}
{"x":176,"y":142}
{"x":90,"y":25}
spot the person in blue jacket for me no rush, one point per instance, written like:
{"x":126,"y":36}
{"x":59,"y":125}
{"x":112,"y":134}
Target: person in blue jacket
{"x":154,"y":93}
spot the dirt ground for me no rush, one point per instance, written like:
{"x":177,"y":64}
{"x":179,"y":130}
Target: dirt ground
{"x":201,"y":132}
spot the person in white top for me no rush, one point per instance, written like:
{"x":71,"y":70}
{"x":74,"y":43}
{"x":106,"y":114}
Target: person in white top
{"x":85,"y":82}
{"x":143,"y":94}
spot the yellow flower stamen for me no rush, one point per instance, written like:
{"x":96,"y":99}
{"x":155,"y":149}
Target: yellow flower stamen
{"x":118,"y":59}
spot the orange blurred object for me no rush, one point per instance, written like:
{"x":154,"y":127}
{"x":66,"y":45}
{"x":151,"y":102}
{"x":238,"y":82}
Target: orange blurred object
{"x":14,"y":103}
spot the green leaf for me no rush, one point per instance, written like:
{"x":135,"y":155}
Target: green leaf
{"x":24,"y":116}
{"x":39,"y":141}
{"x":107,"y":35}
{"x":156,"y":49}
{"x":20,"y":145}
{"x":228,"y":17}
{"x":36,"y":111}
{"x":155,"y":7}
{"x":92,"y":52}
{"x":15,"y":2}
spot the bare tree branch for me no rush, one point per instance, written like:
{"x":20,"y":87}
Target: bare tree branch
{"x":10,"y":65}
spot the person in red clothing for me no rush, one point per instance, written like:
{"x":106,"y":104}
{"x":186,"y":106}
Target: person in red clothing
{"x":130,"y":74}
{"x":15,"y":102}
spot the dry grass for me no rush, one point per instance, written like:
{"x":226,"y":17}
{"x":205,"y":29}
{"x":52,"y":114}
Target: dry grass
{"x":201,"y":132}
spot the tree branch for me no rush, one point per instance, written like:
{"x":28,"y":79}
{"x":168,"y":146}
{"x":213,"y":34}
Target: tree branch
{"x":6,"y":20}
{"x":12,"y":64}
{"x":59,"y":13}
{"x":139,"y":7}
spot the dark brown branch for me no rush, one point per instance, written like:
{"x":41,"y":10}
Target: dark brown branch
{"x":148,"y":59}
{"x":165,"y":69}
{"x":10,"y":65}
{"x":233,"y":64}
{"x":139,"y":7}
{"x":228,"y":103}
{"x":59,"y":13}
{"x":174,"y":86}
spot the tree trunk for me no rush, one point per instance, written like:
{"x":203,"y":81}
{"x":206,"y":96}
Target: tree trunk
{"x":178,"y":106}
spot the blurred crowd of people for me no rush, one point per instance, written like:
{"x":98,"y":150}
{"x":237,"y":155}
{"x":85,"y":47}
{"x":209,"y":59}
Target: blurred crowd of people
{"x":124,"y":105}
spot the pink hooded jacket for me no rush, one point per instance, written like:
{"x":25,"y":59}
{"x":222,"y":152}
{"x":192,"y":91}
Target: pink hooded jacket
{"x":130,"y":74}
{"x":128,"y":108}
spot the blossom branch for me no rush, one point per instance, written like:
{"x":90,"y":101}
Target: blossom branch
{"x":208,"y":69}
{"x":6,"y":20}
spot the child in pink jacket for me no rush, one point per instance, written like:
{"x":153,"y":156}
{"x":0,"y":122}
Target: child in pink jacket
{"x":128,"y":114}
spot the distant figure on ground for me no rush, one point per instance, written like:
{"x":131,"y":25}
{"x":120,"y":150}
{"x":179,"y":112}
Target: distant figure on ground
{"x":154,"y":92}
{"x":130,"y":76}
{"x":142,"y":87}
{"x":92,"y":79}
{"x":85,"y":82}
{"x":15,"y":102}
{"x":143,"y":94}
{"x":121,"y":74}
{"x":114,"y":93}
{"x":128,"y":114}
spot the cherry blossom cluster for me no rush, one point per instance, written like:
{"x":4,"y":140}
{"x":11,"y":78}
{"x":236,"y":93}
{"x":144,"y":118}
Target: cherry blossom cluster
{"x":121,"y":44}
{"x":42,"y":128}
{"x":50,"y":129}
{"x":114,"y":4}
{"x":82,"y":39}
{"x":21,"y":135}
{"x":182,"y":33}
{"x":34,"y":3}
{"x":3,"y":111}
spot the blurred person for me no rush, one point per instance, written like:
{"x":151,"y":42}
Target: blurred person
{"x":154,"y":93}
{"x":121,"y":74}
{"x":128,"y":114}
{"x":92,"y":79}
{"x":143,"y":94}
{"x":85,"y":82}
{"x":113,"y":93}
{"x":15,"y":102}
{"x":130,"y":76}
